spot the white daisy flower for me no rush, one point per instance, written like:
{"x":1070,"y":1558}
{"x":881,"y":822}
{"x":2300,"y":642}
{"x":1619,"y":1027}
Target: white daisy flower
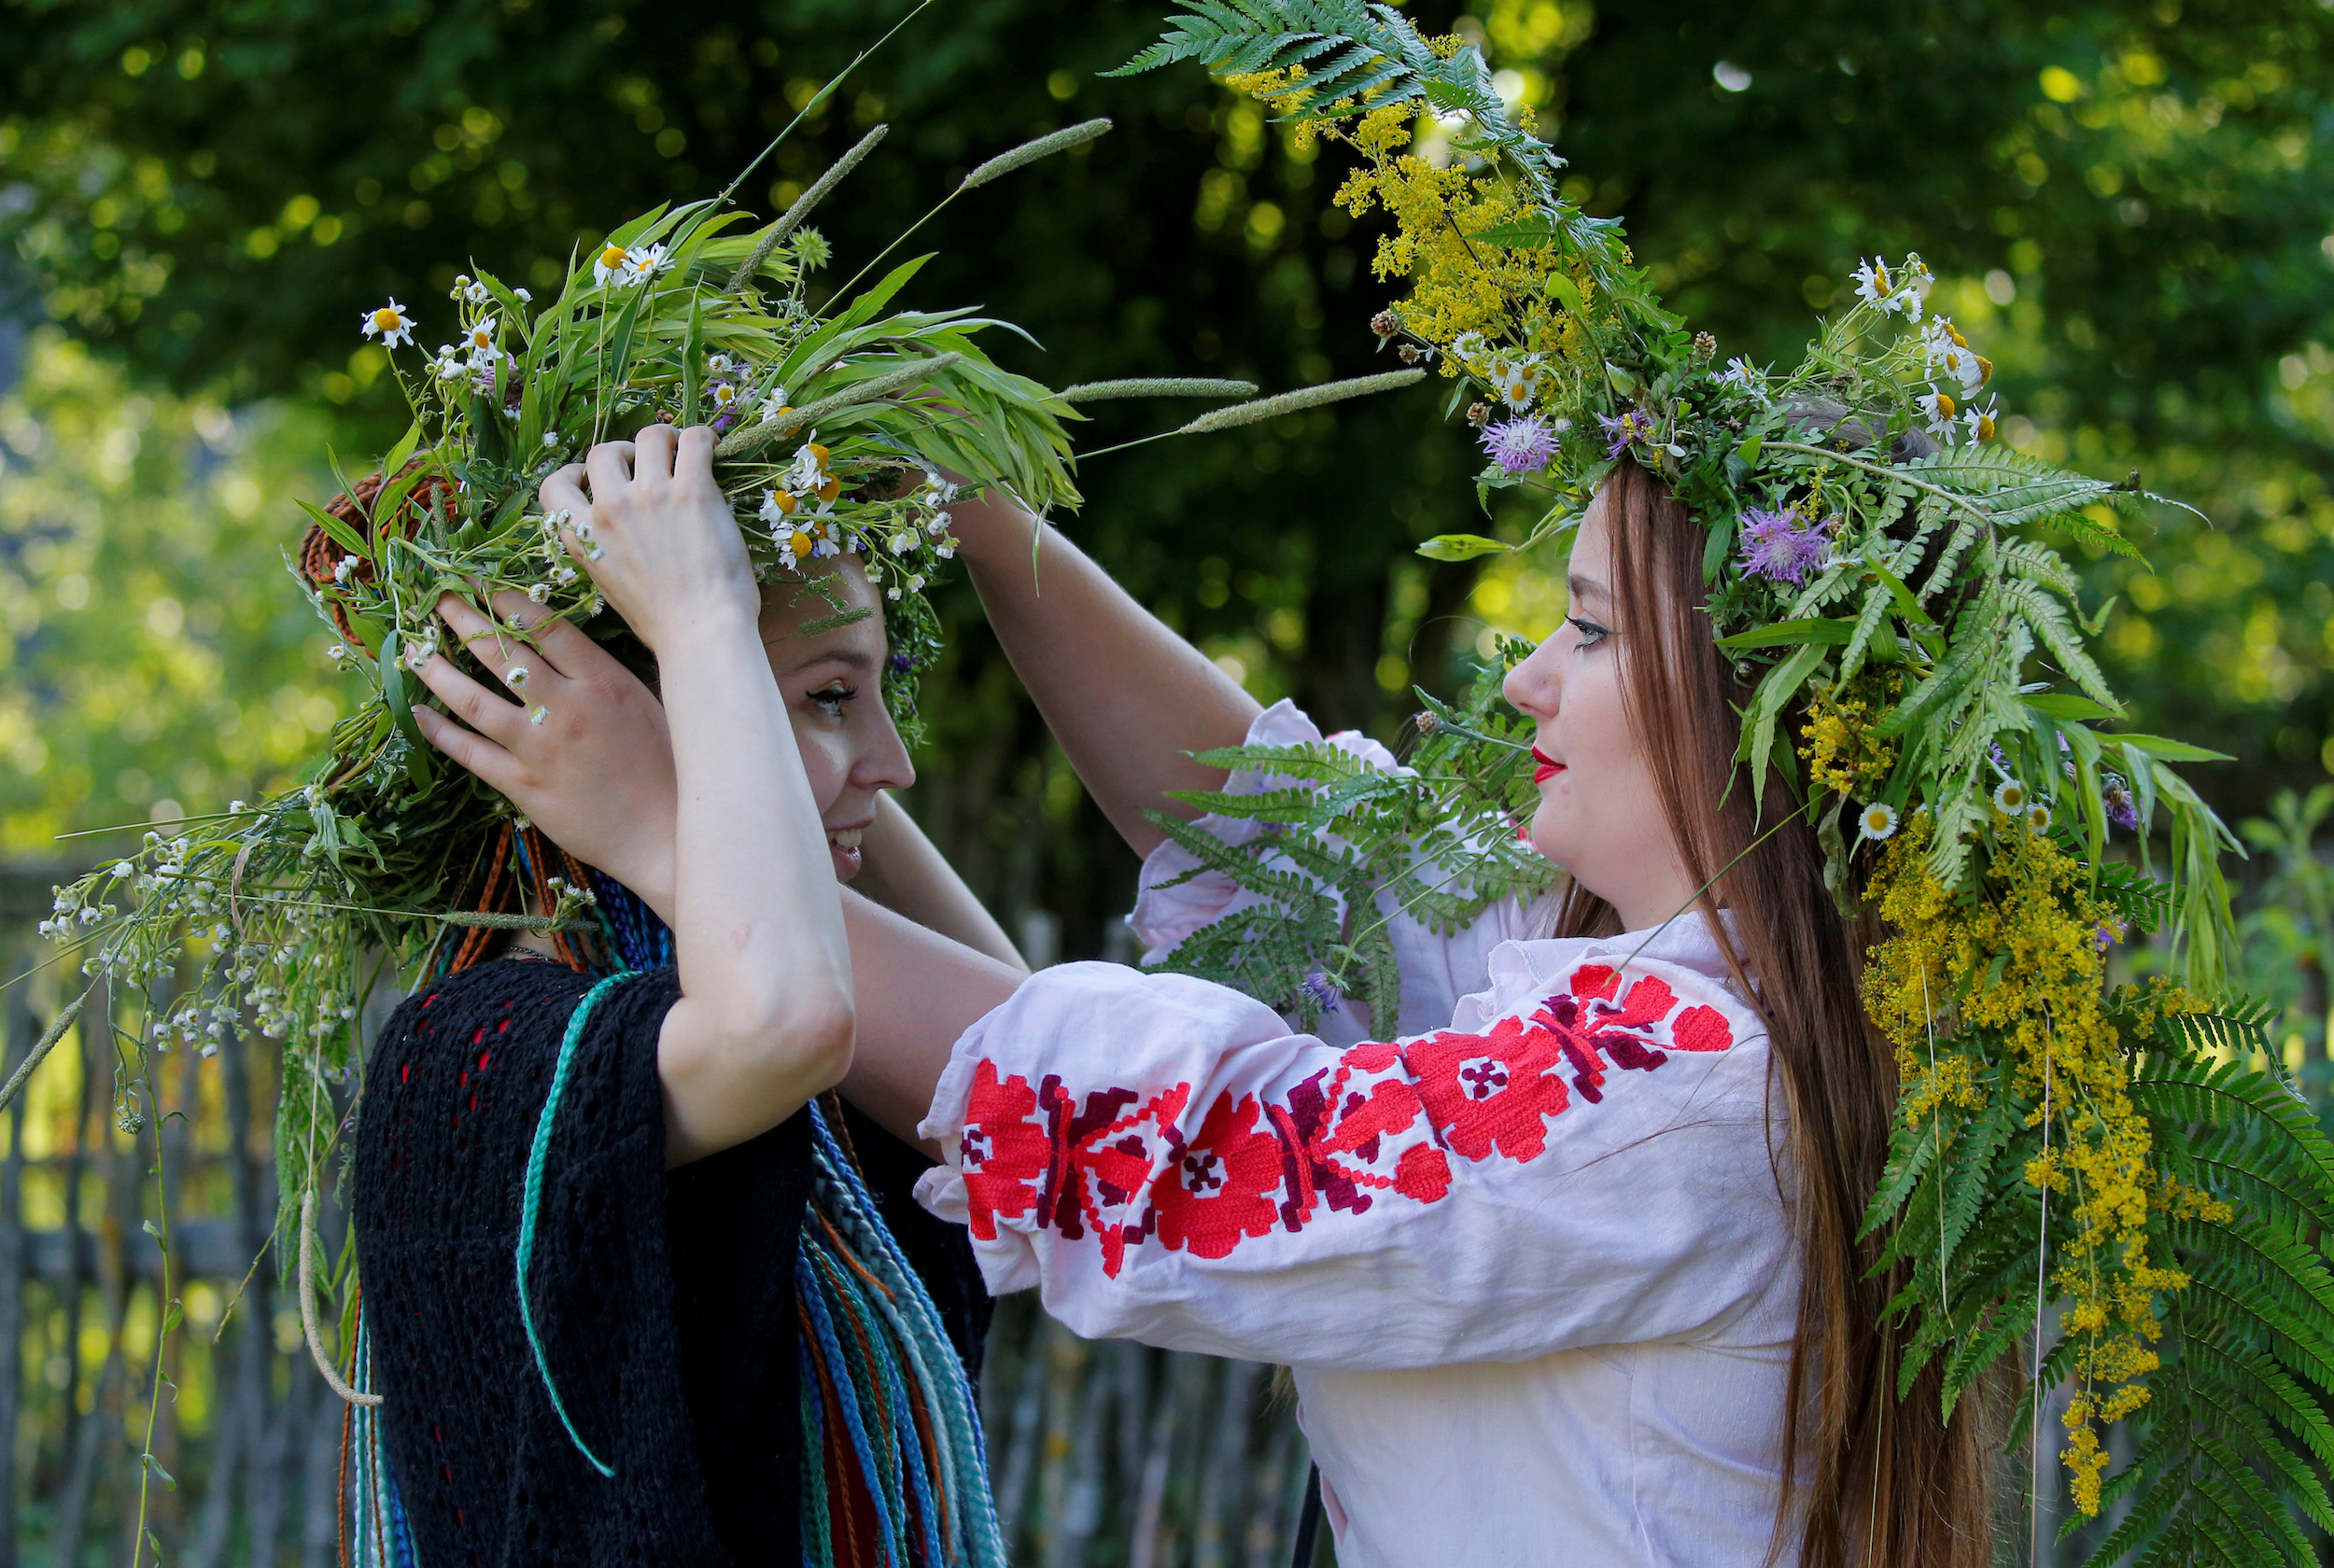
{"x":1740,"y":373}
{"x":477,"y":293}
{"x":537,"y":714}
{"x":478,"y":342}
{"x":1979,"y":421}
{"x":723,"y":395}
{"x":540,"y":592}
{"x":720,"y":364}
{"x":1941,"y":412}
{"x":446,"y":366}
{"x":2038,"y":818}
{"x":515,"y":678}
{"x":609,"y":266}
{"x":1878,"y":820}
{"x":773,"y":405}
{"x":2010,"y":799}
{"x":645,"y":262}
{"x":1873,"y":283}
{"x":1914,"y":280}
{"x":1467,"y":345}
{"x":391,"y":324}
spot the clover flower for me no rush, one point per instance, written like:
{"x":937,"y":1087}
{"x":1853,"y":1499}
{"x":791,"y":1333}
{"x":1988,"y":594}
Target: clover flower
{"x":1521,"y":445}
{"x":1782,"y":547}
{"x":2123,"y":809}
{"x":1317,"y":989}
{"x":391,"y":324}
{"x":1635,"y":424}
{"x":1878,"y":820}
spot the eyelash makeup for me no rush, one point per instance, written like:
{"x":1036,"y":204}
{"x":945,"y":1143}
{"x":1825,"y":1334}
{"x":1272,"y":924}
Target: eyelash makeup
{"x":1591,"y":633}
{"x":832,"y":698}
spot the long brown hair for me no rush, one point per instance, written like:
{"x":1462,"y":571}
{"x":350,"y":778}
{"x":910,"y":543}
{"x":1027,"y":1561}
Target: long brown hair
{"x":1867,"y":1478}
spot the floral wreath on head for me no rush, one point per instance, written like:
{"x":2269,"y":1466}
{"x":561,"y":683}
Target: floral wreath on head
{"x":1871,"y":566}
{"x":837,"y":423}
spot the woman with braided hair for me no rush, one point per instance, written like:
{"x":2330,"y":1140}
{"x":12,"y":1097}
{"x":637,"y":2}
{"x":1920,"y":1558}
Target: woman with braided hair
{"x":721,"y":1350}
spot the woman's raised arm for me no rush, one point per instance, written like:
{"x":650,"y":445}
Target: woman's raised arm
{"x":1126,"y":697}
{"x":765,"y":1019}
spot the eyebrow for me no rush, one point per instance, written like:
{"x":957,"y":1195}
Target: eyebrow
{"x":1587,"y":588}
{"x":855,"y":658}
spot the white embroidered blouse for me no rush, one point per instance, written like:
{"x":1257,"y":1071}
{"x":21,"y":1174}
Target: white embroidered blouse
{"x":1527,"y":1252}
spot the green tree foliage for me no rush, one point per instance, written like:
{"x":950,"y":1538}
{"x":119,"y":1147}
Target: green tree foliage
{"x":156,"y":655}
{"x":2120,"y":196}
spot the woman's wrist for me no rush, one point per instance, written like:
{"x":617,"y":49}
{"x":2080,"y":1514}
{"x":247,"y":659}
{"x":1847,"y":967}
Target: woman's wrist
{"x":990,"y":530}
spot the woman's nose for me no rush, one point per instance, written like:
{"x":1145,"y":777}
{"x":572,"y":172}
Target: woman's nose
{"x":884,"y":765}
{"x":1532,"y":687}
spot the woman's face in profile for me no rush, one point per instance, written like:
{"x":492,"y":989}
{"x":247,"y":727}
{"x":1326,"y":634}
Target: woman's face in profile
{"x":832,"y":681}
{"x":1599,"y":814}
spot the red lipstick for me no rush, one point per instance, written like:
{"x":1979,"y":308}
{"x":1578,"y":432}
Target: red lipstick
{"x":1549,"y":767}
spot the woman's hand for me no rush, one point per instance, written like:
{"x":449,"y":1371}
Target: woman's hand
{"x":657,"y":534}
{"x":584,"y":751}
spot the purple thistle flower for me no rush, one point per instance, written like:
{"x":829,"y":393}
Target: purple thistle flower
{"x":1522,"y":445}
{"x":1779,"y":546}
{"x":1634,"y":425}
{"x":1316,"y":986}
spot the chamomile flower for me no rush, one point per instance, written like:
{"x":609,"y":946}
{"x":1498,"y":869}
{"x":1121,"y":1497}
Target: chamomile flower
{"x":645,"y":262}
{"x":391,"y":324}
{"x":1872,"y":284}
{"x":1739,"y":372}
{"x":1913,"y":281}
{"x":540,"y":592}
{"x":777,"y":506}
{"x":720,"y":365}
{"x":1516,"y":381}
{"x":723,"y":396}
{"x":1941,"y":412}
{"x":2010,"y":799}
{"x":2038,"y":818}
{"x":445,"y":367}
{"x":477,"y":293}
{"x":478,"y":342}
{"x":609,"y":265}
{"x":1978,"y":422}
{"x":1878,"y":820}
{"x":773,"y":406}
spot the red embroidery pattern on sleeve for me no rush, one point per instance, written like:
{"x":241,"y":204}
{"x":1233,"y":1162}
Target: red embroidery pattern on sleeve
{"x":1338,"y":1138}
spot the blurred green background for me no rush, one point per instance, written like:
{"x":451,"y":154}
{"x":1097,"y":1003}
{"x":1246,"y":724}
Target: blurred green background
{"x":2125,"y":202}
{"x":199,"y":200}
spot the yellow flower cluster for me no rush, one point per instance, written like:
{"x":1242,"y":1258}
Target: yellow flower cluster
{"x":2015,"y":967}
{"x":1460,"y":283}
{"x":1842,"y":753}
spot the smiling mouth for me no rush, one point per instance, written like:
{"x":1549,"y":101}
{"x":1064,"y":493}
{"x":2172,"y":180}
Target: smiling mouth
{"x":1549,"y":767}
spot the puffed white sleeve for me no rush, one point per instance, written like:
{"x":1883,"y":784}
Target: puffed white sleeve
{"x":1176,"y":895}
{"x":1584,"y":1157}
